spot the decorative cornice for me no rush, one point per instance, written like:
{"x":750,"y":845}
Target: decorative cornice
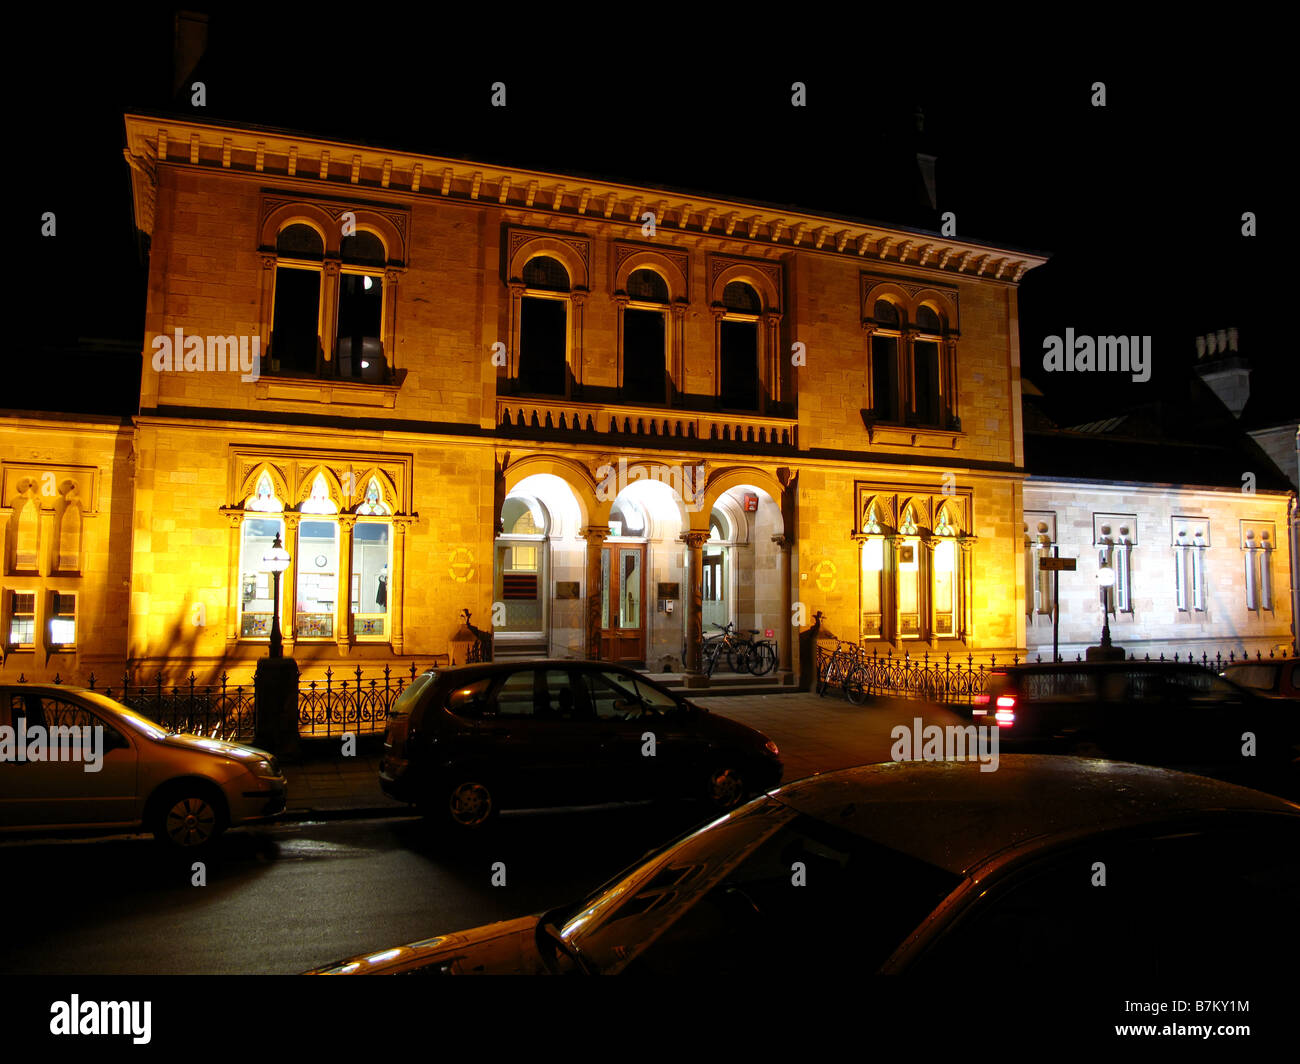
{"x":183,"y":143}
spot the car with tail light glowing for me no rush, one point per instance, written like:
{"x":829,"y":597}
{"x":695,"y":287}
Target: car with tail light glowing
{"x":1173,"y":714}
{"x":935,"y":868}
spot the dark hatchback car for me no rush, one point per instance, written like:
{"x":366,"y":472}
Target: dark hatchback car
{"x":1069,"y":867}
{"x":1157,"y":713}
{"x":465,"y":742}
{"x":1275,"y":678}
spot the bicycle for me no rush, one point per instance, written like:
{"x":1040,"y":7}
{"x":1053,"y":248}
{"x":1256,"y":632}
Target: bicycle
{"x":838,"y":668}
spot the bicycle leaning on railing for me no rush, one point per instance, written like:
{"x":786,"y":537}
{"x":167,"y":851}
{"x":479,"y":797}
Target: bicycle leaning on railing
{"x":845,"y":669}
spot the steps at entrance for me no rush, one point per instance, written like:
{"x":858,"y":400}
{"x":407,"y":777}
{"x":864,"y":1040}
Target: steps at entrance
{"x":722,"y":683}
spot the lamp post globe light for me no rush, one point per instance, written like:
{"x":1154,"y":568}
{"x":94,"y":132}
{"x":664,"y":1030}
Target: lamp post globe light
{"x":276,"y":561}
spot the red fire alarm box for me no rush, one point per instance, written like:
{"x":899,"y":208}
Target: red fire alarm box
{"x":751,"y":503}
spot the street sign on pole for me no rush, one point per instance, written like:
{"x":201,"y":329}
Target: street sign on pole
{"x":1059,"y":565}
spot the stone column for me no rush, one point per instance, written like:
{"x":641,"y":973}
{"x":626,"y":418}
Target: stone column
{"x":578,"y":300}
{"x":694,"y":606}
{"x":397,"y":583}
{"x":516,"y":316}
{"x":289,"y":584}
{"x":330,"y":315}
{"x":677,"y":363}
{"x":343,"y":599}
{"x":785,"y":630}
{"x":595,"y":535}
{"x":770,"y":396}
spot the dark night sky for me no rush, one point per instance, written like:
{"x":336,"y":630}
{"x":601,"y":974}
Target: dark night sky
{"x":1139,"y":203}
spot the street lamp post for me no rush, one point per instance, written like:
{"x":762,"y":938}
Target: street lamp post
{"x":276,"y":559}
{"x":275,"y":682}
{"x":1105,"y":652}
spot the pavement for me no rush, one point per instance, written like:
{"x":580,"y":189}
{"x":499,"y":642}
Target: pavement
{"x":814,"y":734}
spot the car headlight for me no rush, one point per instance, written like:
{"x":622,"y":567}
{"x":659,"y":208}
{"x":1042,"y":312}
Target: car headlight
{"x":265,"y":769}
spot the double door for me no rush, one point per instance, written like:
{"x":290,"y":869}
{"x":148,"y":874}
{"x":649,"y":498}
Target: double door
{"x":622,"y":603}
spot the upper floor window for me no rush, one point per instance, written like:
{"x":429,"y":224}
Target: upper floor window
{"x":1191,"y":539}
{"x":739,"y":369}
{"x":544,"y":327}
{"x":1257,"y":546}
{"x":1114,"y":536}
{"x":359,"y":338}
{"x":327,"y":299}
{"x":296,"y":322}
{"x":911,"y":353}
{"x":1040,"y":541}
{"x":645,"y":338}
{"x":885,"y":342}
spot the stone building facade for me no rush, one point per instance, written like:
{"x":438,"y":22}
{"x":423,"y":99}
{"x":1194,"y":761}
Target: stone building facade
{"x":600,"y":417}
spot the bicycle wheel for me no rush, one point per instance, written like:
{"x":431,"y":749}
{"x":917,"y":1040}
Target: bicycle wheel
{"x":830,"y":674}
{"x":739,"y":656}
{"x":709,"y":656}
{"x":855,"y":685}
{"x":763,"y":659}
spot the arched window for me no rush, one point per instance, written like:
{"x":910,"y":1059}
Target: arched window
{"x":1258,"y":546}
{"x":927,"y":362}
{"x":886,"y":399}
{"x":295,"y":330}
{"x":370,"y":597}
{"x":522,"y":564}
{"x":544,"y":327}
{"x":873,"y":574}
{"x":359,"y":339}
{"x":645,"y":338}
{"x":738,"y":338}
{"x":258,"y":533}
{"x":944,"y":581}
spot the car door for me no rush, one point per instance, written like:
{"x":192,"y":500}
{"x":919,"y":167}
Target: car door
{"x":85,"y":778}
{"x":621,"y":722}
{"x":538,"y":742}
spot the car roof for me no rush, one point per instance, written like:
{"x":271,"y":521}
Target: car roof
{"x":955,"y":817}
{"x":1099,"y":666}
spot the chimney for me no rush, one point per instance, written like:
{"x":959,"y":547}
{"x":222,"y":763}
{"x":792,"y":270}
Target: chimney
{"x":1221,"y":366}
{"x":925,"y":160}
{"x":189,"y":42}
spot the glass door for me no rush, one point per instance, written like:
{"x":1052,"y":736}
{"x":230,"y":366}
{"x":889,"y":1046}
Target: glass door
{"x":622,"y":604}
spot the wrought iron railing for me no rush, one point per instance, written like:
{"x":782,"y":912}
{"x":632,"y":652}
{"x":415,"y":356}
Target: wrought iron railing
{"x":949,"y":681}
{"x":224,"y":710}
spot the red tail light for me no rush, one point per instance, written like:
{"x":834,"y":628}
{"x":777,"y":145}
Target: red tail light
{"x":1006,"y":711}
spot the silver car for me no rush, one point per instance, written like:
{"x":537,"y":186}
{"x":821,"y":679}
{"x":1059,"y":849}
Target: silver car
{"x":72,"y":758}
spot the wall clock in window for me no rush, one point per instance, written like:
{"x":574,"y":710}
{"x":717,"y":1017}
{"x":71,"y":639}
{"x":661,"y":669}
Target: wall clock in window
{"x":320,"y":561}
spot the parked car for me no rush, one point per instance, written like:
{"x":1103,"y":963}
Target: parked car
{"x":1159,"y":713}
{"x":1276,"y":677}
{"x":932,"y":867}
{"x":465,"y":742}
{"x":186,"y":789}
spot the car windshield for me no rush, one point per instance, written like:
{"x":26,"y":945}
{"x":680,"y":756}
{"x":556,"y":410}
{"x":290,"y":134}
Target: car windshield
{"x":126,"y":715}
{"x":765,"y":889}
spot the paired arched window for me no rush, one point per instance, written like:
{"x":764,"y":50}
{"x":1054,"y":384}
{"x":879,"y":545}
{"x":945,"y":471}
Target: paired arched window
{"x":912,"y":372}
{"x":328,"y":298}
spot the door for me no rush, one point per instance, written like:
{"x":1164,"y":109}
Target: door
{"x":82,"y":777}
{"x":622,"y":603}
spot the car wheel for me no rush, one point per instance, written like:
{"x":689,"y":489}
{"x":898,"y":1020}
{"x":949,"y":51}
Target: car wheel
{"x":468,"y":804}
{"x":188,"y":818}
{"x":726,"y":787}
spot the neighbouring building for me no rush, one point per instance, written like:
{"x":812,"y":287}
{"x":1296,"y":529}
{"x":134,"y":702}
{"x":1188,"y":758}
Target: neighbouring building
{"x":1194,"y":519}
{"x":600,"y":417}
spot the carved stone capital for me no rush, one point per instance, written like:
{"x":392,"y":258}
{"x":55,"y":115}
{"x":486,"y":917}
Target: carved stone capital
{"x":694,"y":540}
